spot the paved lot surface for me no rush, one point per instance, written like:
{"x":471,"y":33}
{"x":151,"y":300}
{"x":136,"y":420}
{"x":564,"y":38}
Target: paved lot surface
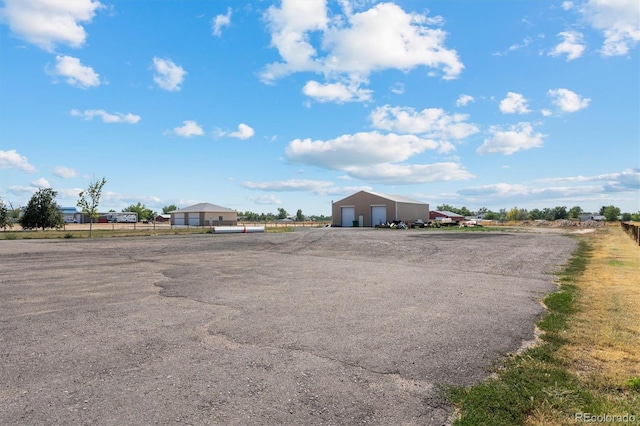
{"x":318,"y":326}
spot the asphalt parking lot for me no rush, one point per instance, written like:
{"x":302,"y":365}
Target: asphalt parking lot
{"x":318,"y":326}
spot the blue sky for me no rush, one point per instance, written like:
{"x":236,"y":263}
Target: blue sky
{"x":260,"y":105}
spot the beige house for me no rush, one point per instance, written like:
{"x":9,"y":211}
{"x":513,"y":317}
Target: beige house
{"x":367,"y":208}
{"x":204,"y":214}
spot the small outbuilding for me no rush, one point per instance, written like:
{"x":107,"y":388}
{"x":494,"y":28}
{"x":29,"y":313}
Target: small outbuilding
{"x":439,"y":215}
{"x":367,"y":208}
{"x":163,"y":218}
{"x":204,"y":214}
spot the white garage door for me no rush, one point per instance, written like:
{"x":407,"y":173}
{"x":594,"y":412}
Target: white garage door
{"x":194,"y":219}
{"x":348,"y":216}
{"x":378,"y":215}
{"x":178,"y":219}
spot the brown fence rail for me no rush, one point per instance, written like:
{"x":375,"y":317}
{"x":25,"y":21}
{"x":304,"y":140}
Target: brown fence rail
{"x":633,"y":229}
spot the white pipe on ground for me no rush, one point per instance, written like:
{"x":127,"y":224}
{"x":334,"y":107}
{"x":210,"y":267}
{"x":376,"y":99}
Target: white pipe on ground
{"x":237,"y":229}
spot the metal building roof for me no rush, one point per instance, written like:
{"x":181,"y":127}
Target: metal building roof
{"x":203,"y":207}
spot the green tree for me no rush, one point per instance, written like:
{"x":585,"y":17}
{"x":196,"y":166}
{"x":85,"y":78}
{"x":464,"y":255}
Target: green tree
{"x":299,"y":215}
{"x":144,"y":213}
{"x":282,"y":213}
{"x":559,"y":213}
{"x":611,"y":213}
{"x":6,"y":219}
{"x":626,"y":217}
{"x":464,"y":211}
{"x":574,"y":212}
{"x":536,"y":214}
{"x":502,"y":215}
{"x":89,"y":201}
{"x":42,"y":211}
{"x":491,"y":216}
{"x":518,"y":214}
{"x":168,"y":209}
{"x":635,"y":217}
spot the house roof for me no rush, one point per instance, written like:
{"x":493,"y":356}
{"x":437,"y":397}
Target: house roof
{"x":448,"y":213}
{"x":68,"y":210}
{"x":203,"y":207}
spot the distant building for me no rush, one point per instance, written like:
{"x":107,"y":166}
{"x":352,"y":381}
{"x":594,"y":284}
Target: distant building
{"x":439,"y":215}
{"x":71,"y":215}
{"x":204,"y":214}
{"x":162,"y":218}
{"x":590,"y":216}
{"x":367,"y":208}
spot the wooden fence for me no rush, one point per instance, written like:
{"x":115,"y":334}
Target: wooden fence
{"x":633,"y":229}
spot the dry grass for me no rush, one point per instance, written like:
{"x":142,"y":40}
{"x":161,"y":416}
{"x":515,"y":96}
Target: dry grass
{"x":603,"y":339}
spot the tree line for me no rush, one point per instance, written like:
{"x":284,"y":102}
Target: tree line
{"x":610,"y":213}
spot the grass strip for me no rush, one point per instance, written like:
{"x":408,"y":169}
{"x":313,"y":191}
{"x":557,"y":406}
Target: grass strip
{"x":537,"y":386}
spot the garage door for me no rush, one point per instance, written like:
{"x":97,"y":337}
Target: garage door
{"x":194,"y":219}
{"x":348,"y":216}
{"x":378,"y":215}
{"x":178,"y":219}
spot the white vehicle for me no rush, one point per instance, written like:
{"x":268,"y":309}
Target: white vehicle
{"x":470,"y":223}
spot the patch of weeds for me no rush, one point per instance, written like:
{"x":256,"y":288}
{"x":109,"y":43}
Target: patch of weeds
{"x":68,"y":235}
{"x":10,"y":236}
{"x":633,"y":383}
{"x":616,"y":262}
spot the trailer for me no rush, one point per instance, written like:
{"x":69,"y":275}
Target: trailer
{"x":123,"y":217}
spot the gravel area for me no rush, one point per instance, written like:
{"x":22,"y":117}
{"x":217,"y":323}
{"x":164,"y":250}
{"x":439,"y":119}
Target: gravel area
{"x":316,"y":327}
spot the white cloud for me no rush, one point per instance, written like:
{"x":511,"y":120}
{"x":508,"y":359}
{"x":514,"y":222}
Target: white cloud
{"x":567,"y":100}
{"x":117,"y":117}
{"x":336,"y":92}
{"x":595,"y":190}
{"x":431,"y":122}
{"x":267,"y":199}
{"x":74,"y":72}
{"x":169,"y":76}
{"x":351,"y":46}
{"x":219,"y":22}
{"x":64,"y":172}
{"x":12,"y":160}
{"x":398,"y":88}
{"x":41,"y":183}
{"x":189,"y":128}
{"x":375,"y":157}
{"x":360,"y":149}
{"x":526,"y":42}
{"x":567,"y":5}
{"x":514,"y":103}
{"x":47,"y":23}
{"x":410,"y":173}
{"x":463,"y":100}
{"x":627,"y":180}
{"x":572,"y":45}
{"x":519,"y":137}
{"x":314,"y":186}
{"x":619,"y":21}
{"x":317,"y":187}
{"x":244,"y":132}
